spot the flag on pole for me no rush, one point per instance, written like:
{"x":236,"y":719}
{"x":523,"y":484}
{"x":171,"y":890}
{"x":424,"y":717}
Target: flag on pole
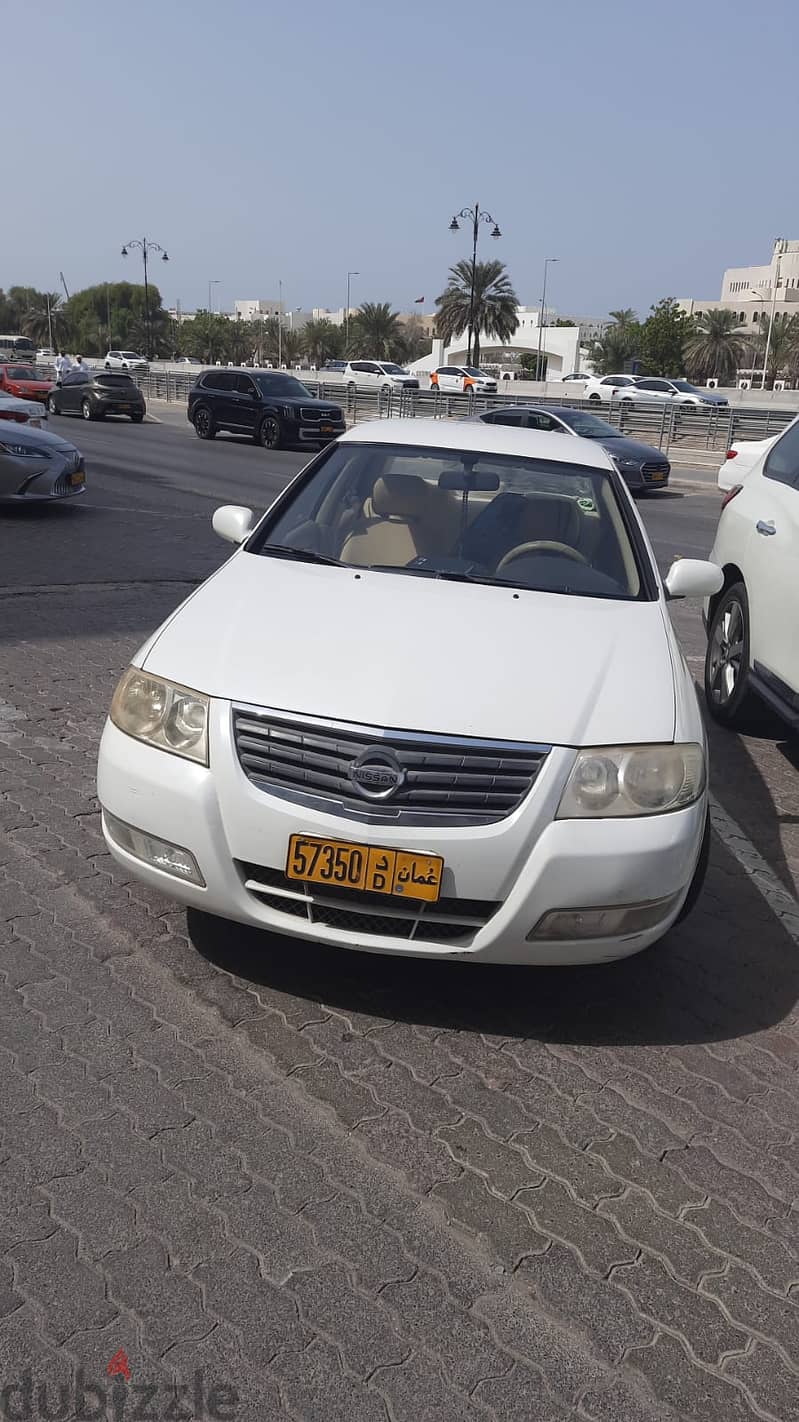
{"x":419,"y":301}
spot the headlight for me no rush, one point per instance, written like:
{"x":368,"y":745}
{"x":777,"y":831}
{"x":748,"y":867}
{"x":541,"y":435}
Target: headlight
{"x":633,"y":780}
{"x":170,"y":717}
{"x":23,"y":451}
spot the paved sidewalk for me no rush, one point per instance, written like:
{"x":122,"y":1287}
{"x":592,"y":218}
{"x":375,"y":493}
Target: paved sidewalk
{"x":360,"y":1188}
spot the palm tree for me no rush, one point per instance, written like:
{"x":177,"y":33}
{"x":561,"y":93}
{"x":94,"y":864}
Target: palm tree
{"x":609,"y":352}
{"x":782,"y":348}
{"x":291,"y":347}
{"x":716,"y":346}
{"x":36,"y":322}
{"x":321,"y":341}
{"x":374,"y":331}
{"x":494,"y":309}
{"x":624,"y":318}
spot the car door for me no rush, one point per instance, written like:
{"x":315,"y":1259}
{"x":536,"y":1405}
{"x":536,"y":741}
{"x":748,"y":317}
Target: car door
{"x":772,"y":560}
{"x":223,"y":401}
{"x":72,"y":391}
{"x":244,"y":403}
{"x":656,"y":389}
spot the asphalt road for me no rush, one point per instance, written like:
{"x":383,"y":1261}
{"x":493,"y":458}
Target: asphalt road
{"x":355,"y":1187}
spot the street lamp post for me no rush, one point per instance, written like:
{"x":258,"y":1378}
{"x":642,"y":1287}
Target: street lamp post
{"x":547,"y":261}
{"x":347,"y":309}
{"x":211,"y":284}
{"x":475,"y":216}
{"x":146,"y":248}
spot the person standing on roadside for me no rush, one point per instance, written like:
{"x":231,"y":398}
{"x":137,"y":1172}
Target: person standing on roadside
{"x":62,"y":365}
{"x":81,"y":365}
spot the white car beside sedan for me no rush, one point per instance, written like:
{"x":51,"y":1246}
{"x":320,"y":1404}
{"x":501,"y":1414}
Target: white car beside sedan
{"x":432,"y":705}
{"x":463,"y":380}
{"x":22,"y":412}
{"x":753,"y":622}
{"x":125,"y":360}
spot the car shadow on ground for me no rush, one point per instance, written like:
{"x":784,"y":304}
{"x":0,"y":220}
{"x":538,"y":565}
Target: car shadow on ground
{"x":738,"y":784}
{"x":730,"y":970}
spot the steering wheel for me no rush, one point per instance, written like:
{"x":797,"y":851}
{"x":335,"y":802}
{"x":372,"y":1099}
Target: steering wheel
{"x":541,"y":545}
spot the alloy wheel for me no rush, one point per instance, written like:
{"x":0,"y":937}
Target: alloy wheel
{"x":270,"y":432}
{"x":726,"y":653}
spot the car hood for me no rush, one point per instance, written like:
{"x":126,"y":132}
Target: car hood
{"x":415,"y":654}
{"x":622,"y":448}
{"x":37,"y":440}
{"x":306,"y":402}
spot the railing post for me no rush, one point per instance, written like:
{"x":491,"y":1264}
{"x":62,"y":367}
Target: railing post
{"x":662,"y":425}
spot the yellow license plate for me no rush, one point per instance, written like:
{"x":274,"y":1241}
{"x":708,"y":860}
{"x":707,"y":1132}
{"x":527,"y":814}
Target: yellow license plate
{"x":367,"y":867}
{"x":77,"y":478}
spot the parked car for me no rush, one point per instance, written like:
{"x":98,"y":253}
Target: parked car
{"x":186,"y":360}
{"x":753,"y":622}
{"x":462,"y":380}
{"x":45,"y":356}
{"x":95,"y":394}
{"x":577,"y":377}
{"x":680,"y":392}
{"x":125,"y":360}
{"x":37,"y":467}
{"x":642,"y":465}
{"x":524,"y":780}
{"x":334,"y":367}
{"x":383,"y":375}
{"x":22,"y":381}
{"x":741,"y":458}
{"x":275,"y":408}
{"x":22,"y":412}
{"x":611,"y":387}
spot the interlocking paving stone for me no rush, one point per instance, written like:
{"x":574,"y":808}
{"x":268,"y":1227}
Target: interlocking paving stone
{"x":370,"y":1340}
{"x":606,"y":1315}
{"x":596,"y":1239}
{"x":683,"y":1250}
{"x":697,"y":1318}
{"x":775,"y":1261}
{"x":772,"y":1385}
{"x":753,"y":1308}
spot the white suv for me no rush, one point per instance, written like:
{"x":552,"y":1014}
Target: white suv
{"x":382,"y":375}
{"x":125,"y":360}
{"x":753,"y":623}
{"x":463,"y":379}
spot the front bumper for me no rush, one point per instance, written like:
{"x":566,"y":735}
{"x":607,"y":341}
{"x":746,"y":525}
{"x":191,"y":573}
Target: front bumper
{"x":313,"y":433}
{"x":45,"y":486}
{"x":523,"y":866}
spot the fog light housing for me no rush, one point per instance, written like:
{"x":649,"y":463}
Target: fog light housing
{"x":614,"y":921}
{"x":158,"y":853}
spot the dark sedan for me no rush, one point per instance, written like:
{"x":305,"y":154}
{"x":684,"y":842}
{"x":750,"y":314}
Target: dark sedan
{"x":642,"y":465}
{"x":97,"y":393}
{"x":274,"y":408}
{"x":36,"y":466}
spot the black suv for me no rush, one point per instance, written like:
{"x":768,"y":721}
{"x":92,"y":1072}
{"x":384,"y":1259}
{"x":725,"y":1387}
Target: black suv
{"x":273,"y":407}
{"x":95,"y":394}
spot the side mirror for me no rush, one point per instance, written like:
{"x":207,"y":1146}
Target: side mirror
{"x":232,"y":522}
{"x":693,"y":577}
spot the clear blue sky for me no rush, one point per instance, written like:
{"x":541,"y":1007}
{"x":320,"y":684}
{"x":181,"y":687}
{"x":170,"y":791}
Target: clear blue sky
{"x":646,"y":146}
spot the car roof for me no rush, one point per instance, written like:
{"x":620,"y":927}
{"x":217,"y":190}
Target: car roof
{"x":562,"y":412}
{"x":486,"y":439}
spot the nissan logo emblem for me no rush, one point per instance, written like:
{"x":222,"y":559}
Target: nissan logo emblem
{"x":377,"y":774}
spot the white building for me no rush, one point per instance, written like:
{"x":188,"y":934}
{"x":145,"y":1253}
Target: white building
{"x":749,"y":291}
{"x":561,"y":346}
{"x":294,"y":318}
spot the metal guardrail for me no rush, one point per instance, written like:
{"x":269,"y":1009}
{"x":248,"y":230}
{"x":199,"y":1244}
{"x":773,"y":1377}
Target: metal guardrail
{"x":663,"y":425}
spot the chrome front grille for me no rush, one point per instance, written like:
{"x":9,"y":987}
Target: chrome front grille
{"x":439,"y":779}
{"x":450,"y":920}
{"x":648,"y":470}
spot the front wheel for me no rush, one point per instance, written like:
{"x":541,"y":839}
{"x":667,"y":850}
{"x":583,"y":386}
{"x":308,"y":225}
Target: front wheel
{"x":137,"y":418}
{"x":52,"y":407}
{"x":596,"y":398}
{"x":270,"y":435}
{"x":86,"y":410}
{"x":727,"y":688}
{"x":204,"y":423}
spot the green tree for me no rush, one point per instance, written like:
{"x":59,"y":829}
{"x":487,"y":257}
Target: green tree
{"x":715,"y":346}
{"x":664,"y":334}
{"x":625,"y":318}
{"x":412,"y":341}
{"x":206,"y":337}
{"x":564,"y":321}
{"x":374,"y":331}
{"x":322,"y":341}
{"x":495,"y":304}
{"x":36,"y":322}
{"x":619,"y":344}
{"x":291,"y":347}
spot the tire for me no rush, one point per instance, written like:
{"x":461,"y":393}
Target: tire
{"x":270,"y":433}
{"x":597,"y":399}
{"x":137,"y":418}
{"x":727,"y":690}
{"x":700,"y":871}
{"x":52,"y":407}
{"x":86,"y":410}
{"x":351,"y":387}
{"x":108,"y":365}
{"x":204,"y":423}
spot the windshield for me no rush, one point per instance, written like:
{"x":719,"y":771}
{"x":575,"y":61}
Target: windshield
{"x":474,"y":517}
{"x":282,"y":385}
{"x":472,"y":370}
{"x":130,"y":355}
{"x":683,"y":385}
{"x":20,"y":372}
{"x":389,"y":369}
{"x":589,"y":426}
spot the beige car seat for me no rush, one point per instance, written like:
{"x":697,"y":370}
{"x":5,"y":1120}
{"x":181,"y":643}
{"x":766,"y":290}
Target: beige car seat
{"x":404,"y":518}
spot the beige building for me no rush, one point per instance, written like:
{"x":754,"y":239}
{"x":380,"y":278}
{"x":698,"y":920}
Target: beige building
{"x":749,"y":291}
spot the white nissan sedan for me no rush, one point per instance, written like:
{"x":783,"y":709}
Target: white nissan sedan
{"x":433,"y":705}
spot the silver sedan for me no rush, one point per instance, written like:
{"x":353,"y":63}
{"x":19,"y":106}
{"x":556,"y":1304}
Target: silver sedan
{"x":37,"y":467}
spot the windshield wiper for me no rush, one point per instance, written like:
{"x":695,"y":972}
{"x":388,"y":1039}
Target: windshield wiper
{"x":449,"y":577}
{"x":300,"y":555}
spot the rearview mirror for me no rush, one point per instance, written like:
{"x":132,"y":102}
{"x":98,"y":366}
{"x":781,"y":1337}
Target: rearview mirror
{"x":472,"y":483}
{"x":693,"y":577}
{"x":232,"y":522}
